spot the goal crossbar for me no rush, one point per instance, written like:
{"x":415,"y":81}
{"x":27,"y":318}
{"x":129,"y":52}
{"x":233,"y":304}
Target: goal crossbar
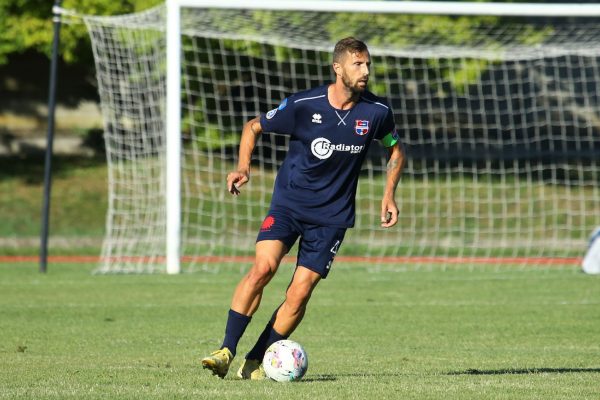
{"x":405,"y":7}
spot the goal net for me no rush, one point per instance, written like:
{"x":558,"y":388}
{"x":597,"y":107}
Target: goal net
{"x":499,"y":116}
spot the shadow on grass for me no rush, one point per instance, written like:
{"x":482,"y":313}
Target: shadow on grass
{"x":30,"y":169}
{"x":320,"y":378}
{"x":331,"y":377}
{"x":525,"y":371}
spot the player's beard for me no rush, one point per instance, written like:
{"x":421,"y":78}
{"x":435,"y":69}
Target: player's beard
{"x":354,"y":87}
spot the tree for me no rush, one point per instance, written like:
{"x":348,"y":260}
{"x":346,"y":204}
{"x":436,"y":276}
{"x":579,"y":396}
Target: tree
{"x":26,"y":25}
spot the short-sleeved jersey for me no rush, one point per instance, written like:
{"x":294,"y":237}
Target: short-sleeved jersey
{"x":318,"y":179}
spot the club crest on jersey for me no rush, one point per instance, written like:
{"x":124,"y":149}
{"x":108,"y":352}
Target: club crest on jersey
{"x":362,"y":127}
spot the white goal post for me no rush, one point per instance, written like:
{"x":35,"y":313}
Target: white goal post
{"x":501,"y":122}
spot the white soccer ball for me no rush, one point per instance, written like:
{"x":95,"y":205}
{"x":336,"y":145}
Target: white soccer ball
{"x":285,"y":361}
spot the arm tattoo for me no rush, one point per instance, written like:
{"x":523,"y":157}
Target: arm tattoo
{"x":392,"y":164}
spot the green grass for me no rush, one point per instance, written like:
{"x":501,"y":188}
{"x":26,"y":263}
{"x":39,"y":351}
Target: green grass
{"x":78,"y":204}
{"x":458,"y":334}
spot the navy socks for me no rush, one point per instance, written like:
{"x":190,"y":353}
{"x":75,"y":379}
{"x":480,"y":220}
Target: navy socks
{"x":266,"y":338}
{"x":236,"y":325}
{"x":235,"y":328}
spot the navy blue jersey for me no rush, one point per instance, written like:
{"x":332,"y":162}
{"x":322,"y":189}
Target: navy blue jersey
{"x":318,"y":179}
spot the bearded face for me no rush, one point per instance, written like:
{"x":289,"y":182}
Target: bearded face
{"x":354,"y":71}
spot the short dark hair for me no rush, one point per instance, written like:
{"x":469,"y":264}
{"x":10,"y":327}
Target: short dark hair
{"x":349,"y":44}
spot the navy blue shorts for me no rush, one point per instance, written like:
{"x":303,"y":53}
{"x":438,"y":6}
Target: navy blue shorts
{"x":318,"y":244}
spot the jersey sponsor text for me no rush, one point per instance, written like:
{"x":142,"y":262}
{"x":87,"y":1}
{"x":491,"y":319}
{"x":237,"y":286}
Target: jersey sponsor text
{"x":322,"y":148}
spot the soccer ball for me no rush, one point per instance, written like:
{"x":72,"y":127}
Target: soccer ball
{"x":285,"y":361}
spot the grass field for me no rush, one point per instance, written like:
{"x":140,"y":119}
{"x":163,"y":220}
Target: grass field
{"x":457,"y":334}
{"x":78,"y":205}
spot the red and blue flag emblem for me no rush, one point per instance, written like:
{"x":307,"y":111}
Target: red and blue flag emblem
{"x":362,"y":127}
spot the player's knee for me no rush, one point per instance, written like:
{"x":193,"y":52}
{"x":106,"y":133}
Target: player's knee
{"x":261,"y":272}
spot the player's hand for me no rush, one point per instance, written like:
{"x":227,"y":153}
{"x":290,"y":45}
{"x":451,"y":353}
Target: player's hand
{"x":235,"y":180}
{"x":389,"y":213}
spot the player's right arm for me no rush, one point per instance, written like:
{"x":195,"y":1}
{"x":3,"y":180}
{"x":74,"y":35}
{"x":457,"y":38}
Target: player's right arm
{"x":250,"y":133}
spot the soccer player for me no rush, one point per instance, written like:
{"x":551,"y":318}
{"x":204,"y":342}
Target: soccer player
{"x":331,"y":128}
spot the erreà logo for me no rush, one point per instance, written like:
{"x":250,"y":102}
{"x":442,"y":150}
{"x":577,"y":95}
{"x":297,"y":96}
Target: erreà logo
{"x":322,"y":148}
{"x":316,"y":118}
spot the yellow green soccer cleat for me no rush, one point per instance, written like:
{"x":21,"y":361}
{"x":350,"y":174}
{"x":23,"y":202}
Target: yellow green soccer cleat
{"x":251,"y":369}
{"x":218,"y":362}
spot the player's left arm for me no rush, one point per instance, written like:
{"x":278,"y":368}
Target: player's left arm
{"x":389,"y":209}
